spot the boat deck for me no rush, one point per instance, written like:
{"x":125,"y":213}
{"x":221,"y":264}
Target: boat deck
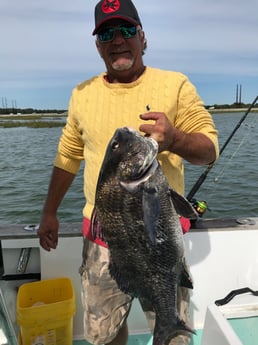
{"x":206,"y":239}
{"x":142,"y":339}
{"x":9,"y":328}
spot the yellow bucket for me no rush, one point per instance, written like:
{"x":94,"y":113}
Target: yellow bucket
{"x":45,"y":312}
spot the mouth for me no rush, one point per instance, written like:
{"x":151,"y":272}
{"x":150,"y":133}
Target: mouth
{"x":150,"y":163}
{"x":121,"y":61}
{"x":125,"y":53}
{"x":148,"y":168}
{"x":147,"y":171}
{"x":133,"y":185}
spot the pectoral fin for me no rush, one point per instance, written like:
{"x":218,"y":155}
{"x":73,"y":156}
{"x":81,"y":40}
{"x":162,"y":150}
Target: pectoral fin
{"x":182,"y":205}
{"x":151,"y":210}
{"x":186,"y":280}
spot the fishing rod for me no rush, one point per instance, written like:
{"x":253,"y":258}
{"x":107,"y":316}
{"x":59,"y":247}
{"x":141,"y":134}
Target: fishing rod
{"x":202,"y":205}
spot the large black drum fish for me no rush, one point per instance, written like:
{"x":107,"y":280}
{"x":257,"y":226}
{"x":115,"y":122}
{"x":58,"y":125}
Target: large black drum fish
{"x":136,"y":213}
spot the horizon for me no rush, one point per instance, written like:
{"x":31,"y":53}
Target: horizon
{"x":36,"y":111}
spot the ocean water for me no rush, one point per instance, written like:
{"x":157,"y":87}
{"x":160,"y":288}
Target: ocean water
{"x":231,"y":187}
{"x":27,"y":155}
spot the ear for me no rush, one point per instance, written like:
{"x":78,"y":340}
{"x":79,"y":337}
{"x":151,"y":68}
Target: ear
{"x":143,"y":39}
{"x":98,"y":48}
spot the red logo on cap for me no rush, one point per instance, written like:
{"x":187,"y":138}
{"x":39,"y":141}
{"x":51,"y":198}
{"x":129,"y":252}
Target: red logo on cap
{"x":110,"y":6}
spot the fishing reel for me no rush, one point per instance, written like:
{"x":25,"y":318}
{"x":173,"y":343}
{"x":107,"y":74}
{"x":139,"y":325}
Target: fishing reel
{"x":199,"y":206}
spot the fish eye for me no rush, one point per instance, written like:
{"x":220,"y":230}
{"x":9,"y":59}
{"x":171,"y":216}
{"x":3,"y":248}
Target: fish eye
{"x":115,"y":145}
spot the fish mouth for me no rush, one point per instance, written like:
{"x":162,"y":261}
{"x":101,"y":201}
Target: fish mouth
{"x":147,"y":173}
{"x":133,"y":185}
{"x":150,"y":160}
{"x":144,"y":167}
{"x":149,"y":167}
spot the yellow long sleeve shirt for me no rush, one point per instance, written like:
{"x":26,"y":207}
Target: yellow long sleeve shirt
{"x":97,"y":108}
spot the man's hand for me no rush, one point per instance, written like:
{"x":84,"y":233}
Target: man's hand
{"x":48,"y":232}
{"x":162,"y":130}
{"x":196,"y":148}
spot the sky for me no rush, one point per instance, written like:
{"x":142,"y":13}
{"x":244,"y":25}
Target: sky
{"x":47,"y":47}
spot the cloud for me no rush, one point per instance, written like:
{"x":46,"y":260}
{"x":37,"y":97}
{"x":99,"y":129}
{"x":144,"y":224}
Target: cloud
{"x":48,"y":44}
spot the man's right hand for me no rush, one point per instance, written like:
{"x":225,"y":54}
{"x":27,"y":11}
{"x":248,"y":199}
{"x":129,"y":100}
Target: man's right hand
{"x":48,"y":232}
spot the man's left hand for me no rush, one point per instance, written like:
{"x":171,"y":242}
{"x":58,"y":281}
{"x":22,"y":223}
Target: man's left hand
{"x":162,"y":130}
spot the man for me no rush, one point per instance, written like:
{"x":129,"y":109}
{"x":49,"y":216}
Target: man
{"x":161,"y":104}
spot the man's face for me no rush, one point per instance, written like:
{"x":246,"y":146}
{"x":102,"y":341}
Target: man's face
{"x":120,"y":53}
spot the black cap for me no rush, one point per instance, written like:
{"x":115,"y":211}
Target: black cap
{"x":111,"y":9}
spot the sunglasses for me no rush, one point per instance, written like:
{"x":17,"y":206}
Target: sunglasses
{"x":107,"y":34}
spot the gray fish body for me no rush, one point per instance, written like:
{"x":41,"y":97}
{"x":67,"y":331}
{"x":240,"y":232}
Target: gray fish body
{"x":135,"y":215}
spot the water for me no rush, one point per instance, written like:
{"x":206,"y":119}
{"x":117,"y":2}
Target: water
{"x":27,"y":157}
{"x":231,"y":186}
{"x":25,"y":168}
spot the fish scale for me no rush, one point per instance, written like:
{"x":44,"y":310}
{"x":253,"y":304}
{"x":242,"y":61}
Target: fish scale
{"x":134,"y":209}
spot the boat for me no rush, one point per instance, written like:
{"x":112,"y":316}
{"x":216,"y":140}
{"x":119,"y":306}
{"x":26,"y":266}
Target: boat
{"x":223,"y":259}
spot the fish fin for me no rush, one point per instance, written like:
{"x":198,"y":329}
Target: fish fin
{"x":95,"y":226}
{"x":182,"y":206}
{"x":186,"y":280}
{"x":146,"y":304}
{"x":162,"y":335}
{"x":151,"y":210}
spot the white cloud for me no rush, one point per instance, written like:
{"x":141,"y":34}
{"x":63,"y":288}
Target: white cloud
{"x":47,"y":42}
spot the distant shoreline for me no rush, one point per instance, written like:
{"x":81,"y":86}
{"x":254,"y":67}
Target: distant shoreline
{"x":231,"y":110}
{"x":39,"y":116}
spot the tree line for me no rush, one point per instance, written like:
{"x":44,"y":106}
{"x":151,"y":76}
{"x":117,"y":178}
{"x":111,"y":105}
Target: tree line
{"x":230,"y":106}
{"x":15,"y":111}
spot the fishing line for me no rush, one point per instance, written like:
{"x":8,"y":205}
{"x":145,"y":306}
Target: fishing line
{"x":216,"y":181}
{"x":204,"y":175}
{"x":250,"y":126}
{"x":202,"y":206}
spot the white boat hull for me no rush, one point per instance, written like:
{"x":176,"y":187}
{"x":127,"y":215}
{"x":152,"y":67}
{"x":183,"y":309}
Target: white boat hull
{"x":221,"y":259}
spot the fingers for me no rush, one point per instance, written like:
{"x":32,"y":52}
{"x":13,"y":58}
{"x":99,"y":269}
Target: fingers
{"x":151,"y":116}
{"x":146,"y":129}
{"x":48,"y":235}
{"x":149,"y":128}
{"x":155,"y":129}
{"x":47,"y":240}
{"x":161,"y":129}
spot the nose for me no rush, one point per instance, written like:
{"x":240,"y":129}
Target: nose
{"x":118,"y":37}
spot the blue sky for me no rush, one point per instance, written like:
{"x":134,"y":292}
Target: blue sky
{"x":47,"y":47}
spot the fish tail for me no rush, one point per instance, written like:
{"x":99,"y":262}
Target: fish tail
{"x":162,"y":335}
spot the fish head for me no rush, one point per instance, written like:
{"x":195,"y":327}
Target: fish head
{"x":129,"y":155}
